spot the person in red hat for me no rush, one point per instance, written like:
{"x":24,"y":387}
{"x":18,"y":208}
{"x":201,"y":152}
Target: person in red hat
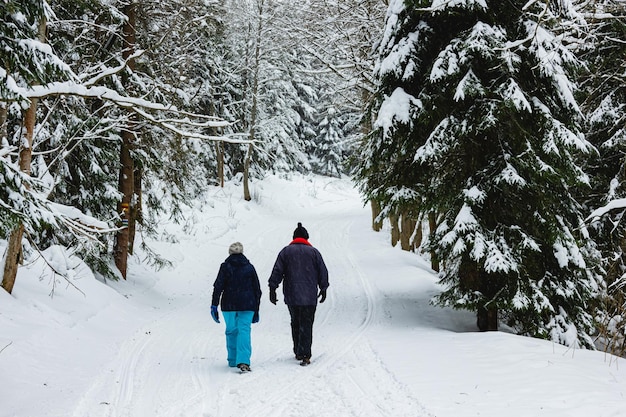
{"x":301,"y":269}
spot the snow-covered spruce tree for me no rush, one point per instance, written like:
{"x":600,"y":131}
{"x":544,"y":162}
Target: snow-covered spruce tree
{"x":340,"y":41}
{"x":604,"y":90}
{"x":327,"y":156}
{"x":476,"y":116}
{"x":25,"y":60}
{"x":77,"y":145}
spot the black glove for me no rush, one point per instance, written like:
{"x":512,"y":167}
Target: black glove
{"x":322,"y":296}
{"x":255,"y":318}
{"x":273,"y":298}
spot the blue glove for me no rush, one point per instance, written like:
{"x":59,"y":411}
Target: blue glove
{"x":215,"y":314}
{"x":255,"y":318}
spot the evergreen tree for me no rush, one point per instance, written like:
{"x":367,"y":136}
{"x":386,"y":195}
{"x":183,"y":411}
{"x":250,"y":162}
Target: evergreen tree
{"x":476,"y":121}
{"x":328,"y":153}
{"x":605,"y":106}
{"x":25,"y":61}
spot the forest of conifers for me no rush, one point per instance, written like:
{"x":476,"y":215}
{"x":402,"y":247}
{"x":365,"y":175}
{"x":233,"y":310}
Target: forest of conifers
{"x":487,"y":135}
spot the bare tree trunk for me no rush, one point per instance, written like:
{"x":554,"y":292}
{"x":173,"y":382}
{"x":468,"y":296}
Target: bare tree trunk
{"x":219,"y":151}
{"x":472,"y":278}
{"x":219,"y":146}
{"x":254,"y":109}
{"x":418,"y":235}
{"x":407,"y":227}
{"x":377,"y":225}
{"x":13,"y":255}
{"x":246,"y":175}
{"x":125,"y":185}
{"x":136,"y":215}
{"x":126,"y":178}
{"x":12,"y":258}
{"x":432,"y":223}
{"x":395,"y":229}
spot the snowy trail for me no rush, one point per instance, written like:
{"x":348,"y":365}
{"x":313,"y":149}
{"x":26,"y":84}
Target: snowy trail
{"x":147,"y":347}
{"x":175,"y":365}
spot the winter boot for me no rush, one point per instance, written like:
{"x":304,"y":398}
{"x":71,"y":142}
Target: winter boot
{"x":305,"y":361}
{"x":244,"y":367}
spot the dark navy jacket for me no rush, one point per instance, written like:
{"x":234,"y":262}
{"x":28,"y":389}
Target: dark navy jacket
{"x":302,"y":270}
{"x":237,"y":284}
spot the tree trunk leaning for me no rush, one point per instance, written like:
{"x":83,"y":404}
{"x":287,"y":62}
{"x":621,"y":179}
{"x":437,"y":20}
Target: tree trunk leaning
{"x":13,"y":255}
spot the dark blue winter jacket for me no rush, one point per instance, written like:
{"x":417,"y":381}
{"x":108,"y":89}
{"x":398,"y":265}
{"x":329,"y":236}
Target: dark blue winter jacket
{"x":237,"y":284}
{"x":302,"y":270}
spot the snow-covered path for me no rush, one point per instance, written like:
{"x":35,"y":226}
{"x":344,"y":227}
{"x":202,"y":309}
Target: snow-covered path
{"x":147,"y":347}
{"x":175,"y":365}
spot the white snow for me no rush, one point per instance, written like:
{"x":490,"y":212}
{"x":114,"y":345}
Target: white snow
{"x":438,"y":5}
{"x":147,"y":347}
{"x":617,"y":204}
{"x":396,"y":108}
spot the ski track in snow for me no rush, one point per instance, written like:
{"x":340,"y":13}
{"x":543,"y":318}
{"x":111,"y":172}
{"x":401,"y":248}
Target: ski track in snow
{"x":175,"y":366}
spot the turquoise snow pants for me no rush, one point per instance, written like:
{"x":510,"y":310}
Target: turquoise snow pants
{"x":238,"y":342}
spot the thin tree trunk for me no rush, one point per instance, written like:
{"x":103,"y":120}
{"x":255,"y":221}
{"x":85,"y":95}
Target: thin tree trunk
{"x":126,"y":183}
{"x":395,"y":229}
{"x":407,"y":227}
{"x":219,"y":150}
{"x":126,"y":178}
{"x":13,"y":256}
{"x":472,"y":278}
{"x":253,"y":110}
{"x":136,"y":215}
{"x":418,"y":235}
{"x":432,"y":223}
{"x":219,"y":146}
{"x":246,"y":175}
{"x":377,"y":225}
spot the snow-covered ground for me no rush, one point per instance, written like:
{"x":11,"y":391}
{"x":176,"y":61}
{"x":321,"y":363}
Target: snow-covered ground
{"x":147,"y":347}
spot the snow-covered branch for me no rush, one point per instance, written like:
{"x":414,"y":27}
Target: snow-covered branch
{"x":617,"y":204}
{"x":137,"y":105}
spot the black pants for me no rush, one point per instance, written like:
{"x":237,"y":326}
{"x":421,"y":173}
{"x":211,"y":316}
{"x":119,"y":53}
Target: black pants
{"x":302,"y":329}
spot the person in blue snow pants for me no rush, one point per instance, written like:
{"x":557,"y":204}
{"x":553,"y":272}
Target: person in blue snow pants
{"x":237,"y":286}
{"x":238,"y":342}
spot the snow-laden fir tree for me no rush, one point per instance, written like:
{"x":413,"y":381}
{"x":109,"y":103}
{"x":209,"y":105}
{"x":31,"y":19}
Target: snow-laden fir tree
{"x":476,"y":121}
{"x":25,"y":60}
{"x":327,"y":156}
{"x":604,"y":90}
